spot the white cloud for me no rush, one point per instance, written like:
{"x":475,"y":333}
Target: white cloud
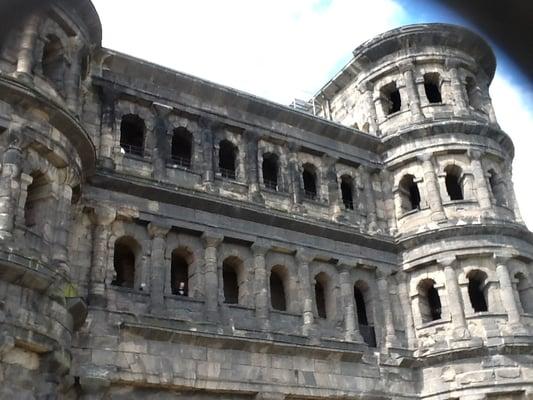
{"x":280,"y":50}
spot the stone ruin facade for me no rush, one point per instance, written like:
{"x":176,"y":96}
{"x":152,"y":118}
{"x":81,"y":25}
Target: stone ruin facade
{"x":165,"y":237}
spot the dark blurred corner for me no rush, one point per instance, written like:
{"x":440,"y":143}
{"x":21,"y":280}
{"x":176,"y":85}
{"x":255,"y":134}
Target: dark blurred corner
{"x":13,"y":12}
{"x":509,"y":23}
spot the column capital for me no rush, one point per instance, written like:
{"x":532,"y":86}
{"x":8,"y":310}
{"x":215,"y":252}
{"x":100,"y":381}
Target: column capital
{"x":450,"y":63}
{"x":212,"y":239}
{"x":346,"y":264}
{"x":260,"y":247}
{"x":382,"y":275}
{"x":365,"y":87}
{"x":304,"y":255}
{"x":406,"y":66}
{"x":475,"y":154}
{"x":103,"y":215}
{"x":503,"y":258}
{"x":425,"y":157}
{"x":157,"y":230}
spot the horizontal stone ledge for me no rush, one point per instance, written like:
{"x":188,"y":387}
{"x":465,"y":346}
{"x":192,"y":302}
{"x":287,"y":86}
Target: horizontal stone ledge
{"x":23,"y":271}
{"x":273,"y":343}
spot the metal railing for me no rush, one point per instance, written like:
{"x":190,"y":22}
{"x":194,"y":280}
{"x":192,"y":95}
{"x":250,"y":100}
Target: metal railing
{"x":132,"y":149}
{"x":180,"y":161}
{"x":227,"y":173}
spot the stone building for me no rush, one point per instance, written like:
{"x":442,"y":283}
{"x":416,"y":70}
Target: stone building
{"x":165,"y":237}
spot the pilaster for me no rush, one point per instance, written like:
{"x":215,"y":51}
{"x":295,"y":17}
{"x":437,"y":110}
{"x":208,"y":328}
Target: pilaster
{"x":158,"y":234}
{"x":262,"y":309}
{"x":211,"y":241}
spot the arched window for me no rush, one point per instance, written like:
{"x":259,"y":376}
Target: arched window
{"x":132,"y":130}
{"x":477,"y":290}
{"x":429,"y":301}
{"x":179,"y":272}
{"x":321,"y":284}
{"x":390,"y":98}
{"x":361,"y":294}
{"x":270,"y":171}
{"x":277,"y":288}
{"x":54,"y":63}
{"x":181,"y":149}
{"x":453,"y":182}
{"x":432,"y":87}
{"x":497,"y":186}
{"x":124,"y":262}
{"x":347,"y":191}
{"x":310,"y":181}
{"x":525,"y":293}
{"x":409,"y":193}
{"x":230,"y":275}
{"x":227,"y":159}
{"x":37,"y":191}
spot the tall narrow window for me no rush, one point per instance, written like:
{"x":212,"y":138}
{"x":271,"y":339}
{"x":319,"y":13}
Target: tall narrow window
{"x":230,"y":277}
{"x":227,"y":159}
{"x":361,"y":294}
{"x":347,"y":191}
{"x":270,"y":171}
{"x":124,"y":262}
{"x":54,"y":63}
{"x":409,"y":193}
{"x":132,"y":130}
{"x":429,"y":301}
{"x":181,"y":149}
{"x":277,"y":289}
{"x":453,"y":182}
{"x":497,"y":186}
{"x":310,"y":184}
{"x":179,"y":272}
{"x":37,"y":191}
{"x":391,"y":99}
{"x":477,"y":290}
{"x":431,"y":87}
{"x":321,"y":281}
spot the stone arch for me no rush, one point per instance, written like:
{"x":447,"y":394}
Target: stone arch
{"x":181,"y":260}
{"x":278,"y":288}
{"x":126,"y":251}
{"x":429,"y":301}
{"x":454,"y":182}
{"x":232,"y":270}
{"x":477,"y":290}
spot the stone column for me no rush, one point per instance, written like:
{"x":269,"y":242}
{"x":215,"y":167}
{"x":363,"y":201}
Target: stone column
{"x":407,"y":71}
{"x":101,"y":217}
{"x":158,"y":233}
{"x":403,"y":291}
{"x":72,"y":77}
{"x":160,"y":155}
{"x":366,"y":90}
{"x":390,"y":332}
{"x":455,"y":300}
{"x":211,"y":242}
{"x":262,"y":309}
{"x":457,"y":90}
{"x":294,"y":175}
{"x":252,"y":166}
{"x":351,"y":324}
{"x":207,"y":134}
{"x":507,"y":292}
{"x":107,"y":141}
{"x":432,"y":188}
{"x":26,"y":52}
{"x":303,"y":257}
{"x":9,"y":190}
{"x":333,"y":188}
{"x":62,"y":226}
{"x":513,"y":203}
{"x":480,"y":180}
{"x":371,"y":216}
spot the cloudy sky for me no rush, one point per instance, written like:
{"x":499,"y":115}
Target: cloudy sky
{"x":281,"y":50}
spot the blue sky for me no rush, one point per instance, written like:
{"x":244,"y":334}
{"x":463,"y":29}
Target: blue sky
{"x":281,"y":50}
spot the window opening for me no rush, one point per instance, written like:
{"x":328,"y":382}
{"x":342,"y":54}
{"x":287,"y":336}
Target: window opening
{"x":227,"y":159}
{"x":179,"y":274}
{"x":391,"y":99}
{"x":231,"y":282}
{"x":320,"y":296}
{"x":431,"y":86}
{"x":476,"y":290}
{"x":181,"y":148}
{"x":453,"y":185}
{"x":309,"y":178}
{"x":124,"y":263}
{"x":347,"y":192}
{"x":277,"y":291}
{"x":270,"y":171}
{"x":132,"y":130}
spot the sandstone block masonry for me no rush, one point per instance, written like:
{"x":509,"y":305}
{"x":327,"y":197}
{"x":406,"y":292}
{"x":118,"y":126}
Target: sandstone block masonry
{"x":166,"y":237}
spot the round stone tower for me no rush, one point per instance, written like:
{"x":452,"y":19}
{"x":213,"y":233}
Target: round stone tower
{"x":465,"y":254}
{"x":46,"y":155}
